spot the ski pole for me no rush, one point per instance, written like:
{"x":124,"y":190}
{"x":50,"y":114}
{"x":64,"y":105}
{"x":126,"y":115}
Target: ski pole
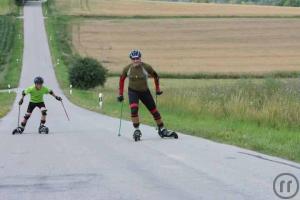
{"x":65,"y":110}
{"x":19,"y":115}
{"x":121,"y":115}
{"x":156,"y":128}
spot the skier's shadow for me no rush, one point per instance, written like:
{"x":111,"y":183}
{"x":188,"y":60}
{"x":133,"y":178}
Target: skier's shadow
{"x":147,"y":139}
{"x":36,"y":133}
{"x":28,"y":133}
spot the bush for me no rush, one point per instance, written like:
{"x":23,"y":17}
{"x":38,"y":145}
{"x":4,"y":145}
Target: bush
{"x":87,"y":73}
{"x":20,"y":2}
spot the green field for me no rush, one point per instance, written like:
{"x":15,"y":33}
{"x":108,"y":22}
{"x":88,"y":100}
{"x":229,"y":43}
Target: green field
{"x":6,"y":101}
{"x":11,"y":50}
{"x":5,"y":6}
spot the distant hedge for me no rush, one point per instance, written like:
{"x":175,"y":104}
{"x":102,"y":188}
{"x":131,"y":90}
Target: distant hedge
{"x":293,"y":3}
{"x":20,"y":2}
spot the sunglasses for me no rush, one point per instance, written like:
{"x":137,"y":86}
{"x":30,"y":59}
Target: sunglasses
{"x":135,"y":58}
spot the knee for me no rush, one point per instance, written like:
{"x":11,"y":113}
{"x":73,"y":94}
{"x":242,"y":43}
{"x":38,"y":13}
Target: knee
{"x":134,"y":110}
{"x":136,"y":125}
{"x":27,"y":116}
{"x":44,"y":112}
{"x":155,"y":114}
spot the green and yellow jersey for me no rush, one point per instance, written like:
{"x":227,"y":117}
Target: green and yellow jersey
{"x":37,"y":96}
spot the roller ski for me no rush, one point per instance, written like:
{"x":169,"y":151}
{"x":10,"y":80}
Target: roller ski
{"x":166,"y":133}
{"x":18,"y":130}
{"x":137,"y":135}
{"x":43,"y":129}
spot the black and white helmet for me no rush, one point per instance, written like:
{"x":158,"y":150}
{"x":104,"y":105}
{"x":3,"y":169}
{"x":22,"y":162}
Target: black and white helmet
{"x":38,"y":80}
{"x":135,"y":54}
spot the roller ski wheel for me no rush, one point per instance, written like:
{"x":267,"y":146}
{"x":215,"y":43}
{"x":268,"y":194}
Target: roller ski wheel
{"x":137,"y":135}
{"x":43,"y":129}
{"x":18,"y":130}
{"x":168,"y":134}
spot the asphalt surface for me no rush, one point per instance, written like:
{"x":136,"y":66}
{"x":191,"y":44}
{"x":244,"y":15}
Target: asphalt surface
{"x":84,"y":158}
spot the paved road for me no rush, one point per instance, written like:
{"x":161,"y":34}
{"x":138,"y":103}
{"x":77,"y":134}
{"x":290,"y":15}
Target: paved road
{"x":84,"y":159}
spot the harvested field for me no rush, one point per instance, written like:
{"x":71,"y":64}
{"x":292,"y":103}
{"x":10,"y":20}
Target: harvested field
{"x":155,"y":8}
{"x":194,"y":45}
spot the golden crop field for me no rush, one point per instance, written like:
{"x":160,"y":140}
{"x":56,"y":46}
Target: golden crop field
{"x":155,"y":8}
{"x":194,"y":45}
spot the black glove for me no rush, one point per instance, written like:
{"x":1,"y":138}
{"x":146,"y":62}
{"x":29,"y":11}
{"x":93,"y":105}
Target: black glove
{"x":159,"y":93}
{"x":58,"y":98}
{"x":21,"y":102}
{"x":120,"y":98}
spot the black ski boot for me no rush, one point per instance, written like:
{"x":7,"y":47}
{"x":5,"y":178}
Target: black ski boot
{"x":166,"y":133}
{"x":43,"y":129}
{"x":137,"y":135}
{"x":18,"y":130}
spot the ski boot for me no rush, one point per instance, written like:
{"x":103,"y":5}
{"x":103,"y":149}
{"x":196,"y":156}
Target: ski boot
{"x":43,"y":129}
{"x":166,"y":133}
{"x":137,"y":135}
{"x":18,"y":130}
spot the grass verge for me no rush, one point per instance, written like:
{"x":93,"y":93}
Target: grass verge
{"x":219,"y":118}
{"x":6,"y":101}
{"x":7,"y":7}
{"x":13,"y":51}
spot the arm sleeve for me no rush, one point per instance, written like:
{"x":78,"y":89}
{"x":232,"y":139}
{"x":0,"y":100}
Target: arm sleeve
{"x":122,"y":81}
{"x":153,"y":74}
{"x":27,"y":91}
{"x":47,"y":90}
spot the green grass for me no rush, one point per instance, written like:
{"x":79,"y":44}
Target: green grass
{"x":203,"y":75}
{"x":198,"y":107}
{"x":59,"y":40}
{"x":11,"y":50}
{"x":6,"y":101}
{"x":5,"y":6}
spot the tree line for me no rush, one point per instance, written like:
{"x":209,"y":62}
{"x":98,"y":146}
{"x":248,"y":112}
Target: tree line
{"x":292,"y":3}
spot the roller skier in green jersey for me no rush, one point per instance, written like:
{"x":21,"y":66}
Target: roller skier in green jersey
{"x":36,"y":92}
{"x":138,"y":73}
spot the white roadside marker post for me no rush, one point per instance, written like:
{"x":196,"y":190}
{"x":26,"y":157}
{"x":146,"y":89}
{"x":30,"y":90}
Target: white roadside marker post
{"x":8,"y":88}
{"x":71,"y":89}
{"x":100,"y":100}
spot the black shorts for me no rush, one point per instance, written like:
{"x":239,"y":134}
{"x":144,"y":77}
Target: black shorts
{"x":32,"y":106}
{"x":145,"y":97}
